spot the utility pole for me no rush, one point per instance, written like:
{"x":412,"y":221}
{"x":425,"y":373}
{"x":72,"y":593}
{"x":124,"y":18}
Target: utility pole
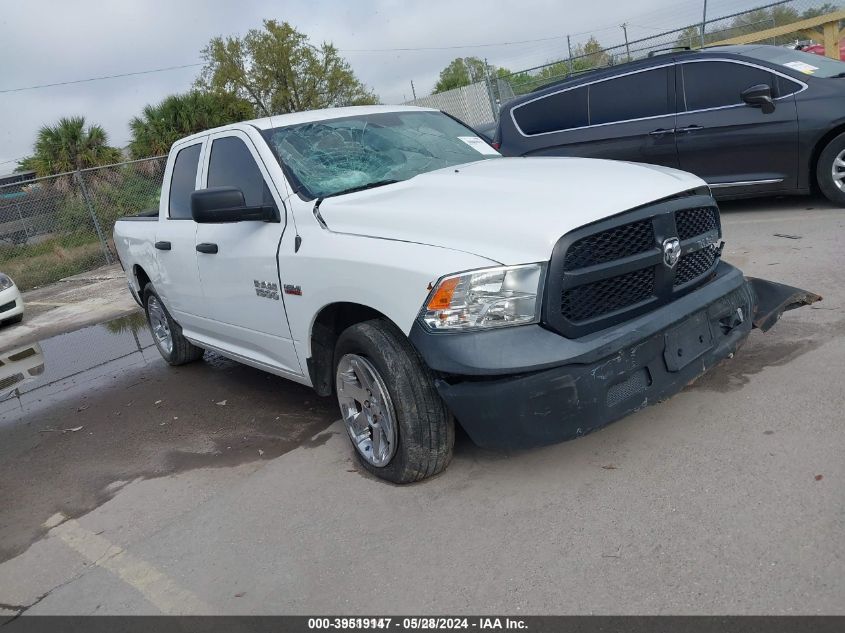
{"x":703,"y":23}
{"x":627,"y":48}
{"x":413,"y":92}
{"x":569,"y":48}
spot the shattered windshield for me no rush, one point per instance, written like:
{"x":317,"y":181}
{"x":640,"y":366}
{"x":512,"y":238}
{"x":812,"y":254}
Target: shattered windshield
{"x":327,"y":158}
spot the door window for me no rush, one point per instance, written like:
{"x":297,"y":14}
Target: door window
{"x":232,"y":165}
{"x":719,"y":84}
{"x":183,"y":182}
{"x":555,"y":113}
{"x":634,"y":96}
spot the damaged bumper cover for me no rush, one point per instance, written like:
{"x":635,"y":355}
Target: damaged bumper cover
{"x":527,"y":386}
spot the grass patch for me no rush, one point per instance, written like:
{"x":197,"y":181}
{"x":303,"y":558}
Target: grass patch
{"x":33,"y":265}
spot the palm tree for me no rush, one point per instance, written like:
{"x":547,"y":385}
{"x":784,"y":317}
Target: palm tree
{"x":68,"y":146}
{"x":160,"y":125}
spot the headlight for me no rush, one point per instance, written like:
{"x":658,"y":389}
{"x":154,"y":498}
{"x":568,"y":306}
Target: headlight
{"x":5,"y":282}
{"x":486,"y":298}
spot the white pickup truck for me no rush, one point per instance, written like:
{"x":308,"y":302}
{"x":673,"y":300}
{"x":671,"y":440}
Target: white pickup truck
{"x":390,"y":256}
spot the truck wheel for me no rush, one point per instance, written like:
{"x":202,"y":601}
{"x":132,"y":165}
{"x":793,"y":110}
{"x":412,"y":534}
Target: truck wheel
{"x":399,"y":426}
{"x":167,"y":334}
{"x":830,"y":171}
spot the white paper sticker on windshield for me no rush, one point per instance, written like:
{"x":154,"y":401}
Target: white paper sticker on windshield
{"x":802,"y":67}
{"x":479,"y":145}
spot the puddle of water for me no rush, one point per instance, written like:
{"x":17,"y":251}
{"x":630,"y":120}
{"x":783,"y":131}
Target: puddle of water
{"x":31,"y":373}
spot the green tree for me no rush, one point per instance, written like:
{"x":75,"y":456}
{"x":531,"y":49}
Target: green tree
{"x":162,"y":124}
{"x":69,"y":145}
{"x":278,"y":70}
{"x":462,"y":71}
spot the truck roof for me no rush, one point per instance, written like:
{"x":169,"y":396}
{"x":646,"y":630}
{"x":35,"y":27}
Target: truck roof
{"x":309,"y":116}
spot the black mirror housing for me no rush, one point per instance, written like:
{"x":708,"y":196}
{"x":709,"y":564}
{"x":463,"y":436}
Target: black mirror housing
{"x":226,"y":204}
{"x":759,"y":96}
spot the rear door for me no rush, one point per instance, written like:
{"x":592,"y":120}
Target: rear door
{"x":630,"y":116}
{"x":240,"y":282}
{"x":736,"y":148}
{"x":175,"y":238}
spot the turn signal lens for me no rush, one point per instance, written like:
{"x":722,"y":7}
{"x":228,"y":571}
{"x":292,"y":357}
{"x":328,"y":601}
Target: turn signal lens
{"x":442,"y":296}
{"x":486,"y":298}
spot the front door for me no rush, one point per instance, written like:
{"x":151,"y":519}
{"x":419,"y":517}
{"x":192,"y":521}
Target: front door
{"x":735,"y":147}
{"x":240,"y":281}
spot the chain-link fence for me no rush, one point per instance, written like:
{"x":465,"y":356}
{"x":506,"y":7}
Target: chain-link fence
{"x":590,"y":55}
{"x":476,"y":104}
{"x":55,"y":227}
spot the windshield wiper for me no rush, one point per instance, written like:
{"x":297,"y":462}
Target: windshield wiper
{"x":369,"y":185}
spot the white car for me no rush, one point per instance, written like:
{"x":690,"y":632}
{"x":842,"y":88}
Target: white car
{"x":11,"y":301}
{"x":391,"y":257}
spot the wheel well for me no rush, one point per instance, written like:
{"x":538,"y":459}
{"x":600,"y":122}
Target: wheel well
{"x":141,"y":277}
{"x":330,"y":322}
{"x":817,"y":150}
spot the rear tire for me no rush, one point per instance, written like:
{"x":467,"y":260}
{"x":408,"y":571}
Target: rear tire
{"x":375,"y":362}
{"x":830,"y":171}
{"x":167,"y":334}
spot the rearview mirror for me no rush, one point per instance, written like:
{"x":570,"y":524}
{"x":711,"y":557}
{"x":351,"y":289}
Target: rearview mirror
{"x":227,"y":204}
{"x":759,"y":96}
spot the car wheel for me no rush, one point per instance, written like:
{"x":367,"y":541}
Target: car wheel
{"x":830,"y":171}
{"x":167,"y":335}
{"x":400,"y":429}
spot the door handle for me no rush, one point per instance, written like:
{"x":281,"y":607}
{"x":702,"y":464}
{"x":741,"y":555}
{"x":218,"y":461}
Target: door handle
{"x":689,"y":128}
{"x":163,"y":246}
{"x":661,"y":132}
{"x":207,"y":247}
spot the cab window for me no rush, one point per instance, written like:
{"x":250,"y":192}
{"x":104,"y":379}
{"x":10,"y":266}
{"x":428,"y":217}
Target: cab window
{"x":183,"y":182}
{"x":232,"y":165}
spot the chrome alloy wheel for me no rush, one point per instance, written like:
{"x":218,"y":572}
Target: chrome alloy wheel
{"x":366,"y":409}
{"x":159,"y":325}
{"x":838,"y":170}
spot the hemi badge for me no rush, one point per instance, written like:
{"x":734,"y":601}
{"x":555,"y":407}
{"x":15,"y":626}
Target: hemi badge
{"x":290,"y":289}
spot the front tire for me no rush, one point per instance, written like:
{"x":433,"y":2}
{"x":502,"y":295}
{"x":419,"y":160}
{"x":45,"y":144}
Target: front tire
{"x":399,"y":427}
{"x":830,"y":171}
{"x":167,"y":335}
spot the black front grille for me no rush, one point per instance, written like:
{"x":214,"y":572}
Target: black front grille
{"x":613,"y":270}
{"x":7,"y":306}
{"x":608,"y":295}
{"x":696,"y":221}
{"x":616,"y":243}
{"x":694,"y":265}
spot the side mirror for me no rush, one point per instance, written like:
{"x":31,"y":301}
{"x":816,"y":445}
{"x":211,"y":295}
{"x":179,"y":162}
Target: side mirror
{"x":226,"y":204}
{"x":759,"y":96}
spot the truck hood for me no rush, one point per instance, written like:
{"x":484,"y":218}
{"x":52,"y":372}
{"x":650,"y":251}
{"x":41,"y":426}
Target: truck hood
{"x":509,"y":210}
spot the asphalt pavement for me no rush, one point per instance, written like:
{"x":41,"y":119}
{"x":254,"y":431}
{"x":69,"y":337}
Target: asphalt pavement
{"x":129,"y":487}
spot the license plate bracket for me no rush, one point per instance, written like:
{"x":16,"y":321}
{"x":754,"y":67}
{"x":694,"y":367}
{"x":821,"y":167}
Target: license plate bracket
{"x":687,"y":341}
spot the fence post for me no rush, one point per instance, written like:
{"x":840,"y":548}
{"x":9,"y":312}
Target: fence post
{"x":87,"y":198}
{"x":20,"y":217}
{"x":703,"y":23}
{"x":493,"y":109}
{"x":569,"y":48}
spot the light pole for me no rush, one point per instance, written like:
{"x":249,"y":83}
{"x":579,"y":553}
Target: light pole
{"x":703,"y":23}
{"x":627,"y":48}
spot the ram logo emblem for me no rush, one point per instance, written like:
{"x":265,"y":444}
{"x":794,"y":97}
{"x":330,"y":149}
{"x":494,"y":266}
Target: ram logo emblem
{"x":671,"y":251}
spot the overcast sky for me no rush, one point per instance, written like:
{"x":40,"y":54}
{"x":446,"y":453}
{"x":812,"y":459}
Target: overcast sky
{"x":49,"y":41}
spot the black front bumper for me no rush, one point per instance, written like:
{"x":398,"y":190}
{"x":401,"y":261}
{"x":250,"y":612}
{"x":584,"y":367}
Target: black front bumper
{"x":526,"y":386}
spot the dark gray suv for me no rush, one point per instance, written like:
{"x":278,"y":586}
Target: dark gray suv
{"x":749,"y":120}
